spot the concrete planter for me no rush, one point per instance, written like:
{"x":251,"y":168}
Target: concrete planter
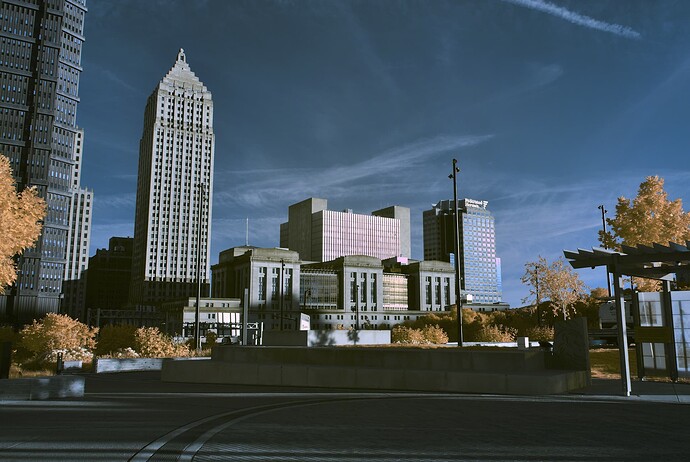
{"x":104,"y":365}
{"x":37,"y":388}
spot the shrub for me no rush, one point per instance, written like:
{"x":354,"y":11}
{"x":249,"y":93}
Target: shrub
{"x":496,"y":333}
{"x":54,"y":332}
{"x":435,"y":335}
{"x":115,"y":338}
{"x":403,"y":334}
{"x":211,"y":338}
{"x":149,"y":342}
{"x":424,"y":336}
{"x":540,"y":333}
{"x":122,"y":353}
{"x":68,"y":354}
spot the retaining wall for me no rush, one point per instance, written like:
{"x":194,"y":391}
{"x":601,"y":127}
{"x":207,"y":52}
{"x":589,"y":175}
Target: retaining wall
{"x":410,"y":369}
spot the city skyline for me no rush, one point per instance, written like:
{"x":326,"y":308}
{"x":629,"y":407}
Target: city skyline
{"x":551,"y":108}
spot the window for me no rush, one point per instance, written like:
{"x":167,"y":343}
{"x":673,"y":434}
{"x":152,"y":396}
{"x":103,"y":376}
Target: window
{"x":427,"y":289}
{"x":262,"y":283}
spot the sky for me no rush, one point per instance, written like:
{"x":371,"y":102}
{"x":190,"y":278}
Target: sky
{"x":550,"y":107}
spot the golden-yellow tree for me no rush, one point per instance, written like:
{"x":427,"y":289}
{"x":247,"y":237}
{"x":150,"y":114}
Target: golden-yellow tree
{"x":648,"y":218}
{"x":20,"y":222}
{"x":555,"y":282}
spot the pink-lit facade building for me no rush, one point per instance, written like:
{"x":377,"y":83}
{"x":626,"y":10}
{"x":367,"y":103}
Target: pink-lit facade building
{"x":319,"y":234}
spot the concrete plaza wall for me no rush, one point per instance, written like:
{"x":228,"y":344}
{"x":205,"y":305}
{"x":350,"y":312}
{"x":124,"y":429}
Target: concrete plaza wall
{"x":410,"y":369}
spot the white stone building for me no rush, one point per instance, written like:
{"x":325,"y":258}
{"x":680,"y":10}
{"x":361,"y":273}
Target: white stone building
{"x":174,"y":189}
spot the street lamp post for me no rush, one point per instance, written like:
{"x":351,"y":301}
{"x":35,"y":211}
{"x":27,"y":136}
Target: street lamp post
{"x":280,"y":292}
{"x":357,"y":307}
{"x":197,"y":327}
{"x":458,"y":288}
{"x":603,"y":226}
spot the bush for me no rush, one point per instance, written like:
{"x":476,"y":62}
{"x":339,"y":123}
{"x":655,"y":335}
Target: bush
{"x":122,"y":353}
{"x":115,"y":338}
{"x":540,"y":333}
{"x":403,"y":334}
{"x":496,"y":333}
{"x":211,"y":338}
{"x":54,"y":332}
{"x":149,"y":342}
{"x":427,"y":335}
{"x":435,"y":335}
{"x":69,"y":354}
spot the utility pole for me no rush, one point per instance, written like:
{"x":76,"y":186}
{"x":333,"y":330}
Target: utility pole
{"x":458,"y":288}
{"x":536,"y":291}
{"x":603,"y":226}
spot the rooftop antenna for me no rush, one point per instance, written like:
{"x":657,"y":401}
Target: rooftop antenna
{"x":246,"y":235}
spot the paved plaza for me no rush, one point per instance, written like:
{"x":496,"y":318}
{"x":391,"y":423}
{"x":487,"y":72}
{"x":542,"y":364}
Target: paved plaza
{"x":134,"y":416}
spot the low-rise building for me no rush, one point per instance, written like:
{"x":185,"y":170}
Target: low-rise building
{"x":349,"y":292}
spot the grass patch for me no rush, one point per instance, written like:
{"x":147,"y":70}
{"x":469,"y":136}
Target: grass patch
{"x":605,"y":363}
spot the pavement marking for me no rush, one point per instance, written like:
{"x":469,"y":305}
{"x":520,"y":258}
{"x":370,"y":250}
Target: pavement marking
{"x":342,"y":395}
{"x":189,"y":452}
{"x":148,"y":451}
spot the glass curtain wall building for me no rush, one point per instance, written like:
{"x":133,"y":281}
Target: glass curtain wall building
{"x":40,"y":66}
{"x":479,"y":267}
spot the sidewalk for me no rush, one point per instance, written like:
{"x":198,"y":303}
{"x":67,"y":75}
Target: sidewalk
{"x":653,"y":391}
{"x":150,"y":382}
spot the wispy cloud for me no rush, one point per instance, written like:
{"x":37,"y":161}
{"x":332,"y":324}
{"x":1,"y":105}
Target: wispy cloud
{"x":577,"y":18}
{"x":113,"y":201}
{"x":110,"y":75}
{"x":278,"y":187}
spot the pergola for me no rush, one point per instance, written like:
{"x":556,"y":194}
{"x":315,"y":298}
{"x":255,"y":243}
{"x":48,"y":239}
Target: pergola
{"x":658,"y":261}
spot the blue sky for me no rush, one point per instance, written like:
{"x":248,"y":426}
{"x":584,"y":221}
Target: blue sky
{"x":551,"y":108}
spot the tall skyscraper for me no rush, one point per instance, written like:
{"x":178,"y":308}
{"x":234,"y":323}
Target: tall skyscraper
{"x":479,"y":268}
{"x":40,"y":66}
{"x":319,"y":234}
{"x":174,"y":189}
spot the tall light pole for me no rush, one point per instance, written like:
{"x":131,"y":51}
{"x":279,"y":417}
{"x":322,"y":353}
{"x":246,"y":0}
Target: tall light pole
{"x":356,"y":307}
{"x":603,"y":226}
{"x":280,"y":292}
{"x":197,"y":327}
{"x":458,"y":290}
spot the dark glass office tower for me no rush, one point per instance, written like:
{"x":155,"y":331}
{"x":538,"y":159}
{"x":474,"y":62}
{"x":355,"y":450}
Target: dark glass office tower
{"x":479,"y":268}
{"x":40,"y":66}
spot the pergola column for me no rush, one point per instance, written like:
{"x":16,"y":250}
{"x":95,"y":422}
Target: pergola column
{"x":622,"y":327}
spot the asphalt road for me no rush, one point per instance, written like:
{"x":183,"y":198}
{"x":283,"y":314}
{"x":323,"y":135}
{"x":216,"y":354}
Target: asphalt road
{"x":134,"y":416}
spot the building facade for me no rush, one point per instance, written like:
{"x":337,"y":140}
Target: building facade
{"x":174,"y":190}
{"x":271,"y":277}
{"x":40,"y":66}
{"x":349,"y":292}
{"x":319,"y":234}
{"x":78,"y":241}
{"x":479,"y":267}
{"x":109,"y":276}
